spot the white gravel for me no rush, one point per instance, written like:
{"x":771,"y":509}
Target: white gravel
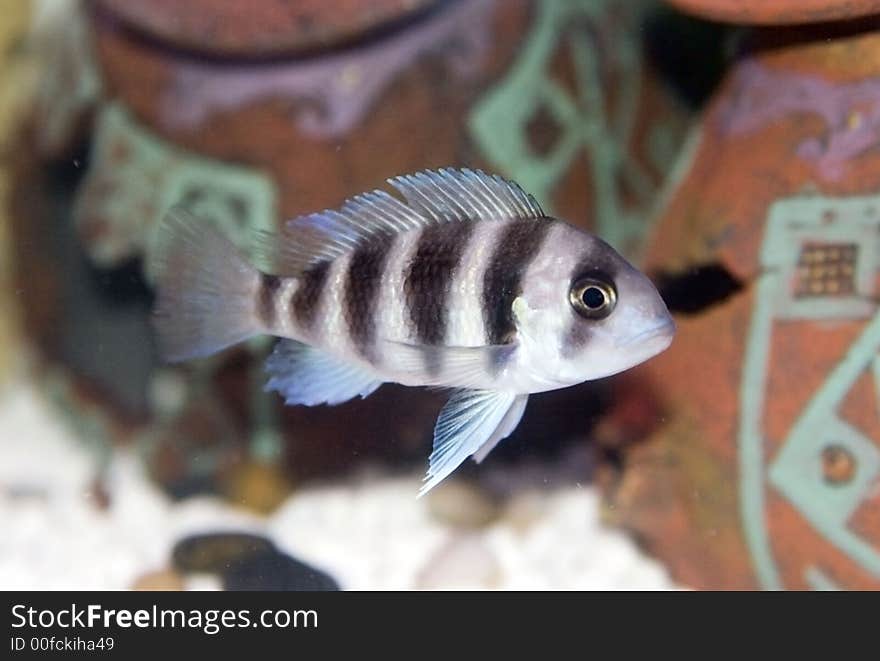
{"x":370,"y":534}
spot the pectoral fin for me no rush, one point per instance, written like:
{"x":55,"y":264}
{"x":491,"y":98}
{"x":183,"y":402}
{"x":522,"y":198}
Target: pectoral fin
{"x":430,"y":197}
{"x":470,"y":420}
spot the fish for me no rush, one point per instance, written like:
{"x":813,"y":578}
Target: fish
{"x":456,"y":279}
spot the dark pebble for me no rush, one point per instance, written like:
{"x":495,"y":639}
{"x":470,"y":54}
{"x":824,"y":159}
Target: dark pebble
{"x":276,"y":572}
{"x":214,"y":552}
{"x":244,"y":561}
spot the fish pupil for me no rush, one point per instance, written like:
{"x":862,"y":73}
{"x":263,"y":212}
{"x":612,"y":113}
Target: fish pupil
{"x":594,"y":298}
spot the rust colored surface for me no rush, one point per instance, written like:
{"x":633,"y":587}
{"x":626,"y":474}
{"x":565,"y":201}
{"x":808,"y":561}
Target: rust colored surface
{"x":429,"y":100}
{"x":677,"y":490}
{"x":232,"y":27}
{"x":778,"y":12}
{"x":730,"y":491}
{"x":263,"y":132}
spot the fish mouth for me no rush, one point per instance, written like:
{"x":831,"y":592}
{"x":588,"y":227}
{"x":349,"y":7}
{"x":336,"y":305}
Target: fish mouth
{"x":665,"y":329}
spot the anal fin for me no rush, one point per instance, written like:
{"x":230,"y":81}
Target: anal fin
{"x":310,"y":376}
{"x":470,"y":421}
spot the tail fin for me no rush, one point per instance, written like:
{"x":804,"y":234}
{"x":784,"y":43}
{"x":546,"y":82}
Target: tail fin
{"x":206,"y":290}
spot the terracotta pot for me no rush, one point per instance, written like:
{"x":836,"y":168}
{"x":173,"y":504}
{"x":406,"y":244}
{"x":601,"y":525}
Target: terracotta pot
{"x":554,"y":94}
{"x":764,"y":471}
{"x":230,"y":27}
{"x":778,"y":12}
{"x":475,"y":82}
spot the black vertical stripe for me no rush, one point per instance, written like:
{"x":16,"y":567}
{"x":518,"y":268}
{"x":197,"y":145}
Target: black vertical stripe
{"x":306,"y":299}
{"x":428,"y":283}
{"x":362,"y":284}
{"x":515,"y":249}
{"x":266,"y":311}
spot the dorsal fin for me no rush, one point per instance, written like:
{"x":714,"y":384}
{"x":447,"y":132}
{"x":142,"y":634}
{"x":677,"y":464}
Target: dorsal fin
{"x":430,"y":196}
{"x":448,"y":194}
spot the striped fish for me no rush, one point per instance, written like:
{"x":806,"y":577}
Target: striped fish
{"x":460,"y":282}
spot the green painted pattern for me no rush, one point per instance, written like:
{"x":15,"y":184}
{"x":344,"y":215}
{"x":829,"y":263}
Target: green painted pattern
{"x":796,"y":470}
{"x":819,"y":580}
{"x":750,"y":442}
{"x":134,"y":178}
{"x":498,"y":123}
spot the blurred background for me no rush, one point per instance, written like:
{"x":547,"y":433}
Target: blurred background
{"x":728,"y":148}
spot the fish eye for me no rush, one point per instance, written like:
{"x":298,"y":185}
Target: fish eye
{"x":592,"y":298}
